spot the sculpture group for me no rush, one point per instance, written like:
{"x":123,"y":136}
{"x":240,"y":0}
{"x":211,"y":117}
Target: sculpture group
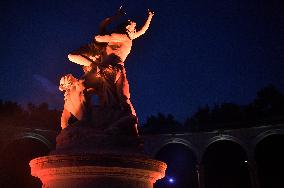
{"x":99,"y":144}
{"x":104,"y":76}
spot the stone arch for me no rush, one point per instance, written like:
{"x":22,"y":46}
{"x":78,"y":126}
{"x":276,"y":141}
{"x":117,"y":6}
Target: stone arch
{"x":269,"y":158}
{"x":264,"y":135}
{"x":17,"y":153}
{"x":181,"y":164}
{"x":184,"y":142}
{"x":223,"y":138}
{"x":31,"y":135}
{"x":225,"y":163}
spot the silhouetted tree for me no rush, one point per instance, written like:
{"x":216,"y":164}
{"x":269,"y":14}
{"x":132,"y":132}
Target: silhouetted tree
{"x":201,"y":117}
{"x":161,"y":124}
{"x":268,"y":107}
{"x":42,"y":116}
{"x":226,"y":113}
{"x":11,"y":113}
{"x":9,"y":108}
{"x":34,"y":116}
{"x":269,"y":102}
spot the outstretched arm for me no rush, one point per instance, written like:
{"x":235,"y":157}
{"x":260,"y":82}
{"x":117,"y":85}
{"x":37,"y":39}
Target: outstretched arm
{"x":115,"y":37}
{"x":144,"y":28}
{"x":79,"y":59}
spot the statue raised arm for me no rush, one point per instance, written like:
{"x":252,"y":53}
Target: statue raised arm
{"x":90,"y":53}
{"x":120,"y":41}
{"x":134,"y":35}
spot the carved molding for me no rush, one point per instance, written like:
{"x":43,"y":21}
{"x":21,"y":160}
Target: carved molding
{"x":95,"y":166}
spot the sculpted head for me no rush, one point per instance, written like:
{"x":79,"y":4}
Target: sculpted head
{"x":66,"y":82}
{"x":127,"y":27}
{"x":131,"y":27}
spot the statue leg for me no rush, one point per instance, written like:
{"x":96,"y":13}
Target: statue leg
{"x":123,"y":92}
{"x":65,"y":116}
{"x":122,"y":88}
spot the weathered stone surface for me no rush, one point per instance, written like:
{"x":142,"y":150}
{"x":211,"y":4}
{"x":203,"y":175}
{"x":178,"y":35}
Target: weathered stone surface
{"x":86,"y":157}
{"x":97,"y":170}
{"x":86,"y":139}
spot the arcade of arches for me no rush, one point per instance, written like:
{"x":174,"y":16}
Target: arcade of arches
{"x":242,"y":158}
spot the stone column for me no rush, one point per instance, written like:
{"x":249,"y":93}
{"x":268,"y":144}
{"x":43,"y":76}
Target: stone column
{"x":252,"y":166}
{"x":200,"y":175}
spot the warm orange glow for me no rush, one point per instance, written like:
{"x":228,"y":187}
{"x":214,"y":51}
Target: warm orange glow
{"x":66,"y":170}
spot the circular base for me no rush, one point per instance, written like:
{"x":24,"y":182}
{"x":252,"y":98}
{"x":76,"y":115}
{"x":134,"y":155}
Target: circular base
{"x":94,"y":170}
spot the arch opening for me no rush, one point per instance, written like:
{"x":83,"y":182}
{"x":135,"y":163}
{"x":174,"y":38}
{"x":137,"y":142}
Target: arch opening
{"x":181,"y":166}
{"x":225,"y":165}
{"x":270,"y":161}
{"x":15,"y":170}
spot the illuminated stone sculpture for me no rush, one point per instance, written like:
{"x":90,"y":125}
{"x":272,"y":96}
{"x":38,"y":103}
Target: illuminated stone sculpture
{"x":108,"y":75}
{"x":74,"y":99}
{"x":101,"y":148}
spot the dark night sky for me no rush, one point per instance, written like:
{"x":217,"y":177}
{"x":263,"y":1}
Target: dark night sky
{"x":194,"y":53}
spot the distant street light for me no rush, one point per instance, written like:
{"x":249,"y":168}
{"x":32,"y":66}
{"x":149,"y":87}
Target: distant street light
{"x":171,"y":180}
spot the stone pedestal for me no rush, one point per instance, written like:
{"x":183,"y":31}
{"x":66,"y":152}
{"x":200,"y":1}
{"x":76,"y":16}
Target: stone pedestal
{"x":102,"y":171}
{"x":84,"y":159}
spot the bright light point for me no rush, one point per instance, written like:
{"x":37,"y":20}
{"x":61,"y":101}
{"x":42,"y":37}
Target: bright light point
{"x":171,"y":180}
{"x":246,"y":161}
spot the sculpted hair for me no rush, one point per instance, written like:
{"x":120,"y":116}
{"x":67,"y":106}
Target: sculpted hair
{"x":121,"y":28}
